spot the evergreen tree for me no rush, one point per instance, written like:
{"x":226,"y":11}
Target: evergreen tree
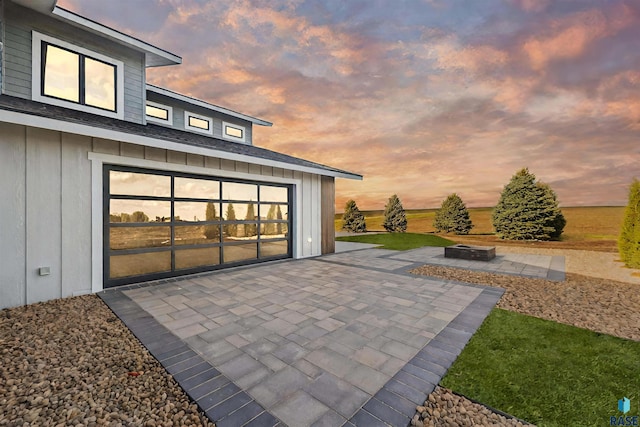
{"x":231,"y":230}
{"x":527,"y":210}
{"x":558,"y":222}
{"x":211,"y":231}
{"x":280,"y":227}
{"x":352,"y":219}
{"x":250,"y":229}
{"x":629,"y":239}
{"x":453,"y":216}
{"x":395,"y":219}
{"x":270,"y":228}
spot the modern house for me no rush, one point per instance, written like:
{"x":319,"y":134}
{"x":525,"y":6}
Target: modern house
{"x":107,"y":180}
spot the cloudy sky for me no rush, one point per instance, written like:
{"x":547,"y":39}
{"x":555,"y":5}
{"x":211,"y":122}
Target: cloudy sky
{"x":424,"y":97}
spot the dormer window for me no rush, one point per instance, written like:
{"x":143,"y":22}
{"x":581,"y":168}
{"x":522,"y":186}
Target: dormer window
{"x":233,"y":132}
{"x":198,"y":123}
{"x":74,"y":77}
{"x":159,"y":113}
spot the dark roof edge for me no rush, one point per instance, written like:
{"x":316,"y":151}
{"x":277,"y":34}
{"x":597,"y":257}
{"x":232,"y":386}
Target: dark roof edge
{"x":36,"y":114}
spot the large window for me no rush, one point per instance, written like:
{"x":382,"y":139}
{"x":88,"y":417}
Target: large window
{"x":73,"y":77}
{"x":160,"y":224}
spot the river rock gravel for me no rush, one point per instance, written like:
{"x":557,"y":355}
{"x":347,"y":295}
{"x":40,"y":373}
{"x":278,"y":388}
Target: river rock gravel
{"x":72,"y":362}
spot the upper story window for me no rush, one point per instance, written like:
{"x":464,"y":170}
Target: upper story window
{"x":159,"y":113}
{"x":233,"y":132}
{"x":198,"y":123}
{"x":74,"y":77}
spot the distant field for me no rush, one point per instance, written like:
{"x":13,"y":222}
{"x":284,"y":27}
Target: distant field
{"x":594,"y":228}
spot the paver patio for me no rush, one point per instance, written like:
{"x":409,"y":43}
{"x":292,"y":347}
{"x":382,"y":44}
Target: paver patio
{"x":325,"y":341}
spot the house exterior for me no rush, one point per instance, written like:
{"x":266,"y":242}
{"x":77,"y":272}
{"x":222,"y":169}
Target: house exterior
{"x":107,"y":180}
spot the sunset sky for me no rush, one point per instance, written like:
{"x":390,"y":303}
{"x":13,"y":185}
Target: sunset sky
{"x":423,"y":98}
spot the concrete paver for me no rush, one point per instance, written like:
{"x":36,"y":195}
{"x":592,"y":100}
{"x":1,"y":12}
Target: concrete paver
{"x":324,"y":341}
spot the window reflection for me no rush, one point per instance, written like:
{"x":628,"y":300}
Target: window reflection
{"x":196,"y":188}
{"x":191,"y":258}
{"x":197,"y":234}
{"x":139,"y":237}
{"x":100,"y":84}
{"x":61,"y":74}
{"x":139,"y":211}
{"x":198,"y":123}
{"x":268,"y":249}
{"x":139,"y":184}
{"x":138,"y":264}
{"x":158,"y":113}
{"x":197,"y":211}
{"x":234,"y":253}
{"x":273,"y":194}
{"x":239,"y":211}
{"x":237,"y":191}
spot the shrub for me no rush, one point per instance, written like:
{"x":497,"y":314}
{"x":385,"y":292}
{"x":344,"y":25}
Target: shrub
{"x":453,"y":216}
{"x":139,"y":216}
{"x":352,"y":219}
{"x":527,"y":210}
{"x":629,"y":239}
{"x":395,"y":219}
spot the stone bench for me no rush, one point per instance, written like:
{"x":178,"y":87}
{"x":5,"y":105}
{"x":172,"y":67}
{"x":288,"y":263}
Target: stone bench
{"x":476,"y":253}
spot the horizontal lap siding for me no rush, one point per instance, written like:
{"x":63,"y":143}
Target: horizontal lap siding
{"x":20,"y":23}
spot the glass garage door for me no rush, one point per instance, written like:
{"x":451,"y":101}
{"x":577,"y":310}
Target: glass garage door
{"x":160,"y":224}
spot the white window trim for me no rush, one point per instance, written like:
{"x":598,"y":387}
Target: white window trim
{"x":188,"y":114}
{"x":36,"y":76}
{"x":231,"y":137}
{"x":168,"y":122}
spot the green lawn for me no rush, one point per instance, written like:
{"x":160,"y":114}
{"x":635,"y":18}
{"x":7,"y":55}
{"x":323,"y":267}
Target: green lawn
{"x":547,"y":373}
{"x":399,"y":241}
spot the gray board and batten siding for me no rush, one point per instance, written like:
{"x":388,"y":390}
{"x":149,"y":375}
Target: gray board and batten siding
{"x":46,"y":216}
{"x":19,"y":24}
{"x":179,"y":107}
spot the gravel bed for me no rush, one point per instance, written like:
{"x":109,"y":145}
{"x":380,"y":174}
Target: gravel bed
{"x":445,"y":408}
{"x":73,"y":362}
{"x":596,"y":303}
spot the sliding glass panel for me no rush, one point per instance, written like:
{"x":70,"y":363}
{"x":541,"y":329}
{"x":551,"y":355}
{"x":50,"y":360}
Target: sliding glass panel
{"x":139,"y":211}
{"x":193,"y":188}
{"x":273,"y":229}
{"x":268,"y":249}
{"x":233,"y":253}
{"x":239,"y":211}
{"x":100,"y":84}
{"x":139,"y":237}
{"x":197,"y":211}
{"x":274,"y":212}
{"x":61,"y":74}
{"x":274,"y":194}
{"x":139,"y":184}
{"x":190,"y":258}
{"x":237,"y":191}
{"x":197,"y":234}
{"x":137,"y":264}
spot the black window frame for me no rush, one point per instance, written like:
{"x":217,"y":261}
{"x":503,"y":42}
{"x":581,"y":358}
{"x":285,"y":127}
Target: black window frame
{"x":166,"y":110}
{"x":81,"y":77}
{"x":173,"y":223}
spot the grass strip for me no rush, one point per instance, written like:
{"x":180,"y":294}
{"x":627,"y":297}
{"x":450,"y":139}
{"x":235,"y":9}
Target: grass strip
{"x":399,"y":241}
{"x":547,"y":373}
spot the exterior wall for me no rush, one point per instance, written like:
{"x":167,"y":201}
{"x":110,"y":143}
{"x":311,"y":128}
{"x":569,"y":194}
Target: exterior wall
{"x":21,"y":21}
{"x":179,"y":108}
{"x":51,"y":214}
{"x":328,"y":190}
{"x":1,"y":41}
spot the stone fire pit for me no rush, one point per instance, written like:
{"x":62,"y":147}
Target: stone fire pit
{"x":476,"y":253}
